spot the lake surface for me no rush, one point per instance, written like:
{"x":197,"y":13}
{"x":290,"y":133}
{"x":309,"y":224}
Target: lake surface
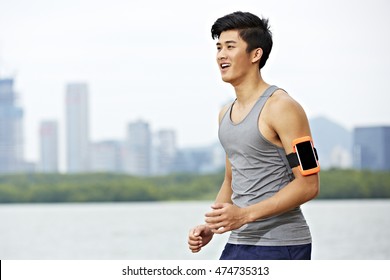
{"x":341,"y":229}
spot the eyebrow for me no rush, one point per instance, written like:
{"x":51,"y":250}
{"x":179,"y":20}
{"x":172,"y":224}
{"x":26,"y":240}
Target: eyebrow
{"x":227,"y":42}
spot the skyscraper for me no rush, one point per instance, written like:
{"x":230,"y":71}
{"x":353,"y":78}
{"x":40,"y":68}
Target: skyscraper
{"x":11,"y":129}
{"x":138,"y":146}
{"x":106,"y":156}
{"x":77,"y":128}
{"x":48,"y":134}
{"x":166,"y":150}
{"x":371,"y":148}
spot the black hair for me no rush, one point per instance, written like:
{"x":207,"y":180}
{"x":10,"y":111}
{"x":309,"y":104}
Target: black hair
{"x":252,"y":29}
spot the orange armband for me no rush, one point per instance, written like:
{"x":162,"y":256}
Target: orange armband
{"x":304,"y":156}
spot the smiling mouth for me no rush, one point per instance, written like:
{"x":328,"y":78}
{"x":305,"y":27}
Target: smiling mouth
{"x":225,"y":65}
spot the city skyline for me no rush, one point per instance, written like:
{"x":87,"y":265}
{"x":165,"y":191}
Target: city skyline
{"x":156,"y":62}
{"x":142,"y":152}
{"x":145,"y":152}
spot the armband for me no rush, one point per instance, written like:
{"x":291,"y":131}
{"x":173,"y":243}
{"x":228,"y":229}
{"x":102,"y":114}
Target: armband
{"x":304,"y":156}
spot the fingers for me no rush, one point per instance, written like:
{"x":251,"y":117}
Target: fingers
{"x":221,"y":218}
{"x":195,"y":240}
{"x":218,"y":205}
{"x":219,"y":227}
{"x":218,"y":209}
{"x":220,"y":230}
{"x":217,"y":224}
{"x":194,"y":236}
{"x":214,"y":223}
{"x":194,"y":246}
{"x":197,"y":231}
{"x":215,"y":213}
{"x":215,"y":217}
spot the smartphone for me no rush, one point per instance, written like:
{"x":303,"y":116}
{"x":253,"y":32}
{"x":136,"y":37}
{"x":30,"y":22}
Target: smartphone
{"x":308,"y":161}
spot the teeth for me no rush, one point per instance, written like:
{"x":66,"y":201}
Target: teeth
{"x":224,"y":65}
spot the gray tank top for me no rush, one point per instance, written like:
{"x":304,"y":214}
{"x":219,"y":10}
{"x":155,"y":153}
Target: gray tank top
{"x":259,"y":170}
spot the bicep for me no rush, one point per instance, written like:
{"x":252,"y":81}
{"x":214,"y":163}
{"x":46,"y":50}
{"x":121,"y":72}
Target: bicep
{"x":292,"y":124}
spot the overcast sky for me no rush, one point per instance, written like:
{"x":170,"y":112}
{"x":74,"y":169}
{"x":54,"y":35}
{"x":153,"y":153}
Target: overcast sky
{"x":155,"y":60}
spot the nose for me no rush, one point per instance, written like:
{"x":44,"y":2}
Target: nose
{"x":221,"y":55}
{"x":221,"y":58}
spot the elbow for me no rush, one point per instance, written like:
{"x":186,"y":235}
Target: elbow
{"x":313,"y":187}
{"x":310,"y":187}
{"x":315,"y":191}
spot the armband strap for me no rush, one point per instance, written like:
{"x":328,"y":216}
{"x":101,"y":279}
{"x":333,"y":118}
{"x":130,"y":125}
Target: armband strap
{"x":293,"y":158}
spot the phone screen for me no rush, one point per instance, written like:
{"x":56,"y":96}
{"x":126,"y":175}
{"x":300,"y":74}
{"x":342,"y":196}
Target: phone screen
{"x":306,"y":155}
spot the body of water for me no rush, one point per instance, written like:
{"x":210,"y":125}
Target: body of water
{"x":341,"y":229}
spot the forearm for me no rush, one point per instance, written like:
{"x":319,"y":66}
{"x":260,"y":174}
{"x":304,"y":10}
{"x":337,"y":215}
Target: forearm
{"x":291,"y":196}
{"x":225,"y":193}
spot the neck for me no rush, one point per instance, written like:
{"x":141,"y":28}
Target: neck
{"x":250,"y":89}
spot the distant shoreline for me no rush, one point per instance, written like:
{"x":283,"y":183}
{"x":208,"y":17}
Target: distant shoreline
{"x":108,"y":187}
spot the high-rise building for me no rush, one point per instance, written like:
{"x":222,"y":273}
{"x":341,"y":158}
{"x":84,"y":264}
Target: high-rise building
{"x":165,"y":151}
{"x":138,"y":148}
{"x":206,"y":159}
{"x":48,"y":134}
{"x":371,"y":148}
{"x":77,"y":128}
{"x":11,"y":129}
{"x":106,"y":156}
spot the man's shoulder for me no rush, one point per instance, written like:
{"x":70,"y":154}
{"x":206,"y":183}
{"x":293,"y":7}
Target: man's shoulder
{"x":283,"y":110}
{"x":281,"y":102}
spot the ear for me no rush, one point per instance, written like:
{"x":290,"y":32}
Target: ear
{"x":257,"y":54}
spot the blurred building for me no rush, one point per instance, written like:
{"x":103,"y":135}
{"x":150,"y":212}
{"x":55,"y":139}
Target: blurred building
{"x":11,"y":130}
{"x":106,"y":156}
{"x":138,"y":148}
{"x":371,"y":148}
{"x":77,"y":128}
{"x":339,"y":158}
{"x":333,"y":152}
{"x":207,"y":159}
{"x":49,"y":150}
{"x":165,"y":152}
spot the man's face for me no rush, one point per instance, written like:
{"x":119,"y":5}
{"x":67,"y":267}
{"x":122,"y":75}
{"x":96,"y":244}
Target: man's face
{"x":232,"y":58}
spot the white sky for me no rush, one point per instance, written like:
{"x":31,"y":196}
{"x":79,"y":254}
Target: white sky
{"x":155,"y":60}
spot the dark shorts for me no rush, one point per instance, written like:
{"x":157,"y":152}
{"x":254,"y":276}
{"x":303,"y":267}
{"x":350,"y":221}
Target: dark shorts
{"x":251,"y":252}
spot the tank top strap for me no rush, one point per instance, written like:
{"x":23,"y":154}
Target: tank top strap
{"x":258,"y":107}
{"x":264,"y":97}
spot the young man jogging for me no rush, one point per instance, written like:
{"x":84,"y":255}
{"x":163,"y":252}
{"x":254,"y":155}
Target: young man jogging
{"x":260,"y":197}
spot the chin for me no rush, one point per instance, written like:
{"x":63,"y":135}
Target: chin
{"x":226,"y":79}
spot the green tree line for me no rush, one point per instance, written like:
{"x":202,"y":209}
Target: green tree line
{"x":105,"y":187}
